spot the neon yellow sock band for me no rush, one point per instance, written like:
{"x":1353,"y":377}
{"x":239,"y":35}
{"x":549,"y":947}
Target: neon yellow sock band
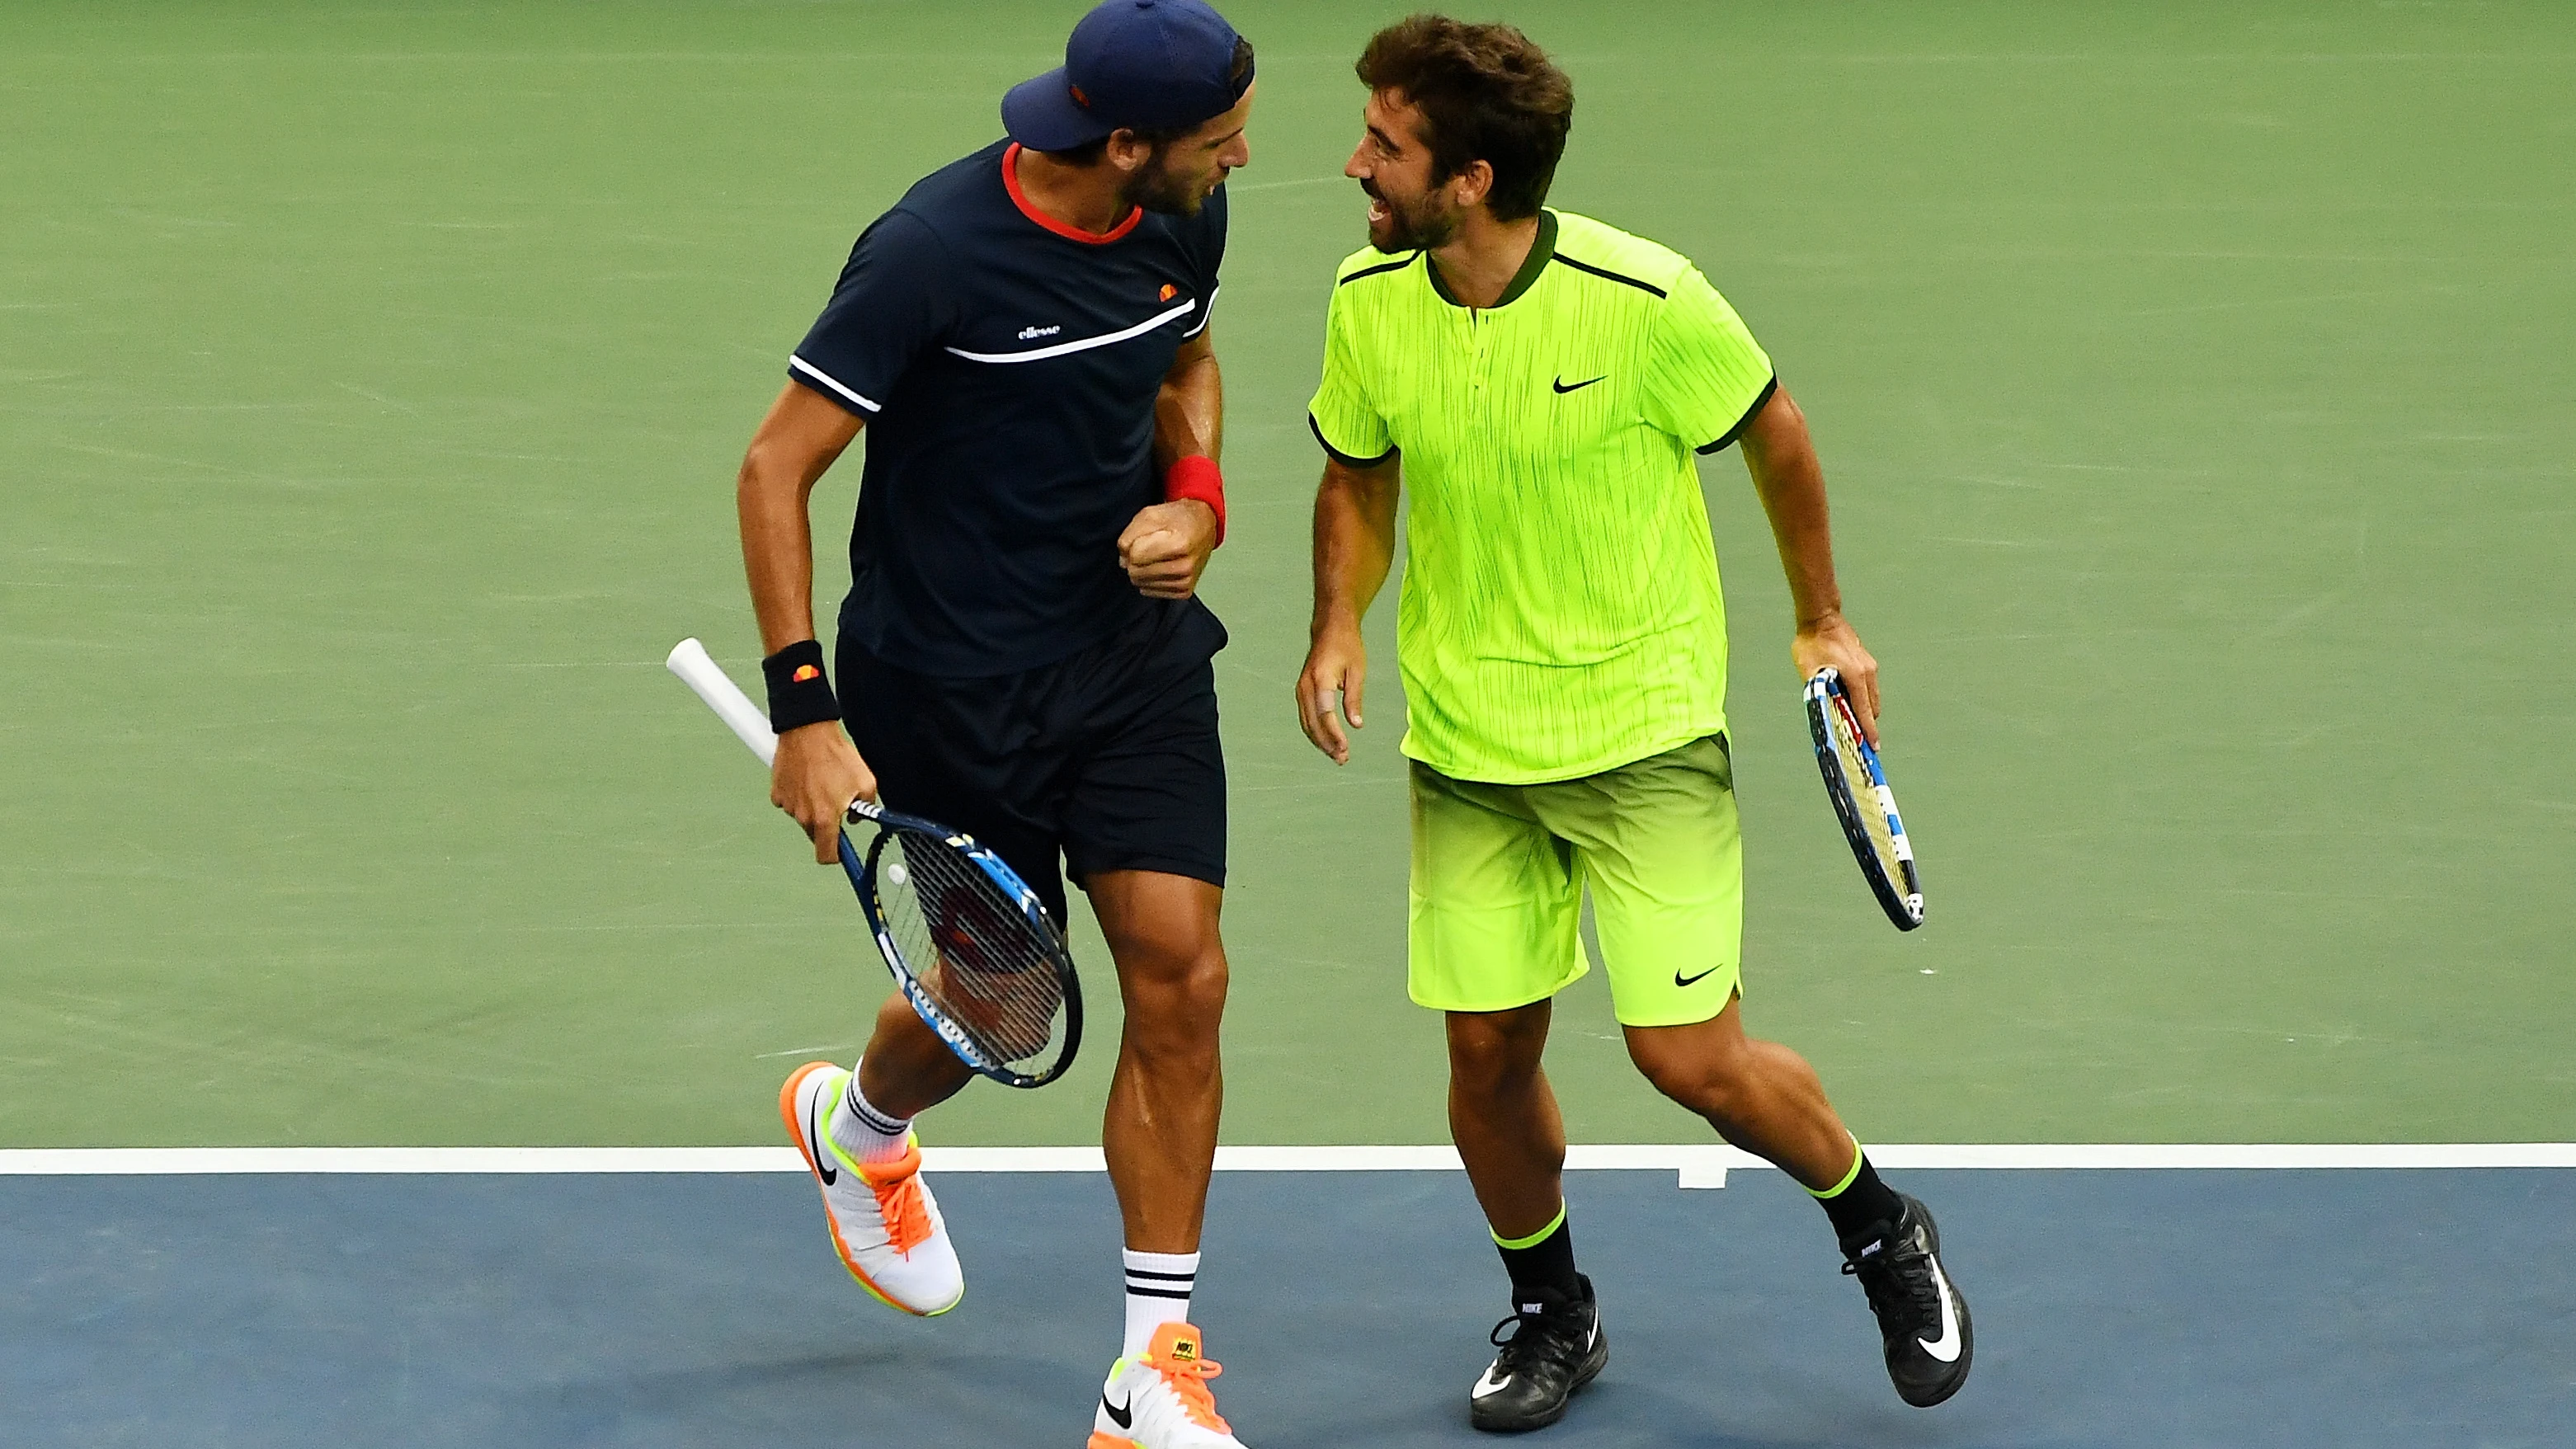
{"x":1837,"y":1190}
{"x":1543,"y":1234}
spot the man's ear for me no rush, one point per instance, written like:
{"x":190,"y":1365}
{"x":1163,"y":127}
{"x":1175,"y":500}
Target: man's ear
{"x":1128,"y":151}
{"x":1473,"y":183}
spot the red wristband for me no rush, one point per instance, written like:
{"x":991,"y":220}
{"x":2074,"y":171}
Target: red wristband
{"x":1197,"y":477}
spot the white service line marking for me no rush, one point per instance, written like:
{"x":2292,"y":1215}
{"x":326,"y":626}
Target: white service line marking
{"x":1696,"y":1164}
{"x":1234,"y":190}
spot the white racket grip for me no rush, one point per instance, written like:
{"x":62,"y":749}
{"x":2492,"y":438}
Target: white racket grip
{"x":689,"y":661}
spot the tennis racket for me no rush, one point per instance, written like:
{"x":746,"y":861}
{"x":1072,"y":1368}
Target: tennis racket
{"x":1862,"y":801}
{"x":968,"y":942}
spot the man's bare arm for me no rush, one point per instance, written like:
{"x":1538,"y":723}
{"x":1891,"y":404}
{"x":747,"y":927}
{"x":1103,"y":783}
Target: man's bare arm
{"x":818,"y":772}
{"x":1166,"y":547}
{"x":795,"y":445}
{"x":1354,"y":549}
{"x":1189,"y":410}
{"x":1782,"y":459}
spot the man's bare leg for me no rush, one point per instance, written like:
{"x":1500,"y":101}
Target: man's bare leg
{"x":1759,"y":1095}
{"x":1510,"y":1135}
{"x":908,"y":1070}
{"x":1159,"y":1132}
{"x":1504,"y":1117}
{"x":1764,"y":1098}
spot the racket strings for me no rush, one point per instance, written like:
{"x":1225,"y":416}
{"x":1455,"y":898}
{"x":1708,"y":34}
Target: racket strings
{"x":976,"y":954}
{"x":1863,"y":783}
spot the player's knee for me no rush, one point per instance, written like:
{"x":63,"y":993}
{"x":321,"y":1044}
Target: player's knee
{"x":1493,"y":1052}
{"x":1715,"y":1082}
{"x":1174,"y":998}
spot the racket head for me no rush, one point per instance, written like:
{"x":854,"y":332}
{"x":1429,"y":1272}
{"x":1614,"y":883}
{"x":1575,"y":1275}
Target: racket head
{"x":971,"y":947}
{"x":1857,"y":785}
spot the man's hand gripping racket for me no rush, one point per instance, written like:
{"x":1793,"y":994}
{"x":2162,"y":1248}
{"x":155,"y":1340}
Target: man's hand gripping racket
{"x":968,"y":942}
{"x":1863,"y":804}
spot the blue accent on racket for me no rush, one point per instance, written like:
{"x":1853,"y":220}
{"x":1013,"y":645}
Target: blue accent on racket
{"x":1862,"y":802}
{"x":970,"y":945}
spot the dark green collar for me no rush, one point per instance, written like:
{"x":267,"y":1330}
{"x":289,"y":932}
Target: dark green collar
{"x":1542,"y":247}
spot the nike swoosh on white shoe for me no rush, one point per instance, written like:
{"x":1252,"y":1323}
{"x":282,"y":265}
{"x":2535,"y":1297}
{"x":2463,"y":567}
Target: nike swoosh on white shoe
{"x":1489,"y":1384}
{"x":1946,"y":1349}
{"x":819,"y":1148}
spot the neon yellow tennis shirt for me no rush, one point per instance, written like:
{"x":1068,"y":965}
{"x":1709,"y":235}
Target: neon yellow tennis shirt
{"x":1560,"y":613}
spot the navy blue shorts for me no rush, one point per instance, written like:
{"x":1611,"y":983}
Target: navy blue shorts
{"x":1105,"y":760}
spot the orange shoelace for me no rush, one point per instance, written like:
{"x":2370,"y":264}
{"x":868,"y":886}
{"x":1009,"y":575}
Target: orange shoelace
{"x":907,"y":1218}
{"x":1188,"y":1378}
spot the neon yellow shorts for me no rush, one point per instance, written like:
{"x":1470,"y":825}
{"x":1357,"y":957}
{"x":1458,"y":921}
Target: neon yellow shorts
{"x":1499,"y":873}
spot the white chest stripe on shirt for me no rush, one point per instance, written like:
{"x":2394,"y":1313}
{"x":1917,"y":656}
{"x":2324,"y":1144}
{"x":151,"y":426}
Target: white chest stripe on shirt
{"x":1083,"y":344}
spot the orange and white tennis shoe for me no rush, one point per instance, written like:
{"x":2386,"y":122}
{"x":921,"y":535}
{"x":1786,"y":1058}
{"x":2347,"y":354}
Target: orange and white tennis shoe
{"x":1160,"y":1398}
{"x":885,"y":1224}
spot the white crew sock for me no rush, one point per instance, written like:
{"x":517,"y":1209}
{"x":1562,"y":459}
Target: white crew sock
{"x":865,"y":1133}
{"x":1158,"y":1292}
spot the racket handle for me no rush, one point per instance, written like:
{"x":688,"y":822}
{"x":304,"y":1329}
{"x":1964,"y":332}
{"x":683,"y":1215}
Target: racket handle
{"x":689,"y":661}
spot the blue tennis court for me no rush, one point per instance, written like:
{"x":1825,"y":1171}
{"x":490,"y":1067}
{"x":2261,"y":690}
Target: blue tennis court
{"x":2114,"y":1308}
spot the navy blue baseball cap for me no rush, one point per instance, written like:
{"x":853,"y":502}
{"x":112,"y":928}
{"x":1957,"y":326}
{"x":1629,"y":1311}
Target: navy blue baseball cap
{"x":1145,"y":65}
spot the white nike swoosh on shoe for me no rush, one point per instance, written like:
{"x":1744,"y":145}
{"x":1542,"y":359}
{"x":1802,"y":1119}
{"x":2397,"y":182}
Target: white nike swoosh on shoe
{"x":1946,"y":1349}
{"x":1490,"y":1385}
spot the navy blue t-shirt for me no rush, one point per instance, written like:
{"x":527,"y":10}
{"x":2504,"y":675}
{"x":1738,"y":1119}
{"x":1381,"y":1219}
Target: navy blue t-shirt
{"x":1006,"y":367}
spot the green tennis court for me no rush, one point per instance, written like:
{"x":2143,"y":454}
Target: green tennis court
{"x":2193,"y":381}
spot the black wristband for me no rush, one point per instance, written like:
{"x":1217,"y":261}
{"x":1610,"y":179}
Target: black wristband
{"x":799,"y":695}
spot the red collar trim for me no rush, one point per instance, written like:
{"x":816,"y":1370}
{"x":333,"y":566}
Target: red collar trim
{"x":1011,"y":183}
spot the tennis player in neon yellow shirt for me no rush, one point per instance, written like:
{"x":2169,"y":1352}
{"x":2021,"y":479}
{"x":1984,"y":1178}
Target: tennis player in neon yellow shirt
{"x":1540,"y":382}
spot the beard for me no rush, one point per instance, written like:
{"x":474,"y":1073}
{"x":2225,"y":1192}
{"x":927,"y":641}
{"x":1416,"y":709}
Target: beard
{"x":1416,"y":227}
{"x":1157,"y":189}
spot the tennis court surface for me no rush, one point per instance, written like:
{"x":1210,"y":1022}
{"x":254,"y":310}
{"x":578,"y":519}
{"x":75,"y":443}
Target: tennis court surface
{"x":2114,"y":1308}
{"x":2192,"y":382}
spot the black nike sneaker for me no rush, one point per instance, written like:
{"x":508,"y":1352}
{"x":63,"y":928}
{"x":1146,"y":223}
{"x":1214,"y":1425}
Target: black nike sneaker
{"x":1921,"y":1317}
{"x":1555,"y":1347}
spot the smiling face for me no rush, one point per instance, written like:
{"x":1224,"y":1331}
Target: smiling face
{"x":1412,"y":207}
{"x":1177,"y":177}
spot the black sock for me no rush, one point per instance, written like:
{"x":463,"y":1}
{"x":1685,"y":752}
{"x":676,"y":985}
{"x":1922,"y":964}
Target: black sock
{"x":1862,"y":1203}
{"x":1543,"y":1267}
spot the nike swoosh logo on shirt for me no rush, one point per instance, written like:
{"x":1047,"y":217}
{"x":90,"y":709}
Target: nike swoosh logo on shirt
{"x":1122,"y":1415}
{"x":1946,"y":1348}
{"x":1563,"y":387}
{"x":1680,"y":980}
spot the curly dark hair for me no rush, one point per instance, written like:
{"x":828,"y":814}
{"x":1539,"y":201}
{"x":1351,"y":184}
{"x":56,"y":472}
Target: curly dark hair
{"x":1487,"y":94}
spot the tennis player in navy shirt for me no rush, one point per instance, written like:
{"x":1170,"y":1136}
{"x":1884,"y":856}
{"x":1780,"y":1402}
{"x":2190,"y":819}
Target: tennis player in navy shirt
{"x":1024,"y":340}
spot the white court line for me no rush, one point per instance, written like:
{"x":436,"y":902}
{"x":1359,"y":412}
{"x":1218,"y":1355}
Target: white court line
{"x":1233,"y":189}
{"x":1696,"y":1165}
